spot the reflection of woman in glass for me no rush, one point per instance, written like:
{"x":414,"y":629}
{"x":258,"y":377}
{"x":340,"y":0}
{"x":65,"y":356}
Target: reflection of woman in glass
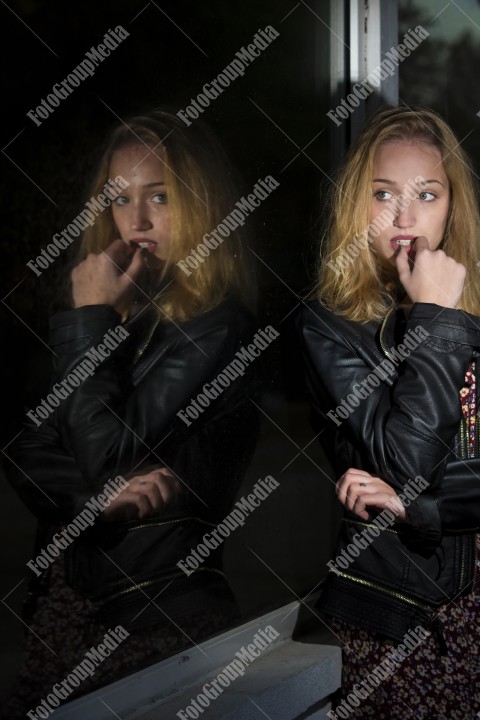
{"x":390,"y":350}
{"x":151,"y":410}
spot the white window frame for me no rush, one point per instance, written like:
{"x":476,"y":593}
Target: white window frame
{"x":369,"y":28}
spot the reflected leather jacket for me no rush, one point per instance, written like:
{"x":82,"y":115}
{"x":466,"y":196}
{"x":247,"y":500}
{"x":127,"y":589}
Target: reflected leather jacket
{"x":406,"y":425}
{"x":122,"y":418}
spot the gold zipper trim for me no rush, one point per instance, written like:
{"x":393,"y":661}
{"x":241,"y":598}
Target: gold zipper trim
{"x":138,"y":586}
{"x":139,"y":351}
{"x":393,"y":593}
{"x":382,"y":331}
{"x":474,"y":564}
{"x":149,"y":583}
{"x":149,"y":334}
{"x":159,"y":523}
{"x":462,"y":566}
{"x":463,"y":443}
{"x":363,"y":524}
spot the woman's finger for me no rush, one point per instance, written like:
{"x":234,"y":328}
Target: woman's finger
{"x":160,"y":485}
{"x":358,"y":490}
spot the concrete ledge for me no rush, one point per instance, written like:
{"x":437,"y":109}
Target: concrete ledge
{"x":283,"y":684}
{"x":291,"y":679}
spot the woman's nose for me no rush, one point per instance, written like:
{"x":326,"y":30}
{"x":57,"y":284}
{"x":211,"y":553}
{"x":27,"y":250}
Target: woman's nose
{"x":405,"y":216}
{"x":140,"y":219}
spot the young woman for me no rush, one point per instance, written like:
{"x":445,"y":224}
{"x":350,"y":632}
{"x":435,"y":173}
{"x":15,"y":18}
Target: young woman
{"x":145,"y":414}
{"x":390,"y":346}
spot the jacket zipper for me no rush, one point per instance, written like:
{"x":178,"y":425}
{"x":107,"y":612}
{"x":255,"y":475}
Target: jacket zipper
{"x":137,"y":586}
{"x":139,"y":351}
{"x":462,"y":440}
{"x":149,"y":583}
{"x":159,"y":523}
{"x":464,"y":562}
{"x":393,"y":593}
{"x":462,"y":565}
{"x":382,"y":330}
{"x":400,"y":596}
{"x":364,"y":524}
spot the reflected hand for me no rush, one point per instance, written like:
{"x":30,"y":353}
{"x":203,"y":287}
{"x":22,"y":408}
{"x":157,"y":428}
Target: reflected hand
{"x":107,"y":277}
{"x":357,"y":490}
{"x":145,"y":495}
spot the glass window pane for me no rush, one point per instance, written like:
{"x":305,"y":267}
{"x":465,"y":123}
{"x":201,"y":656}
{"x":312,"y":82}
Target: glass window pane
{"x":270,"y":118}
{"x":441,"y":72}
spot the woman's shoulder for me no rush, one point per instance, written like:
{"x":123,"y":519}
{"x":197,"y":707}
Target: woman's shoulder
{"x":313,"y":316}
{"x":230,"y":313}
{"x":227,"y":323}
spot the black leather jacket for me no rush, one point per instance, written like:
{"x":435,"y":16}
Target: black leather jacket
{"x":406,"y":427}
{"x":123,"y":419}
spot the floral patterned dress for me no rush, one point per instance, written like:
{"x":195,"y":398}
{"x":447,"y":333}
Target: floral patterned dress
{"x":63,"y":629}
{"x":440,"y":679}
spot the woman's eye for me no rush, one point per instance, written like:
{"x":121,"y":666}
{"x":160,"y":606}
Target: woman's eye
{"x":427,"y":196}
{"x":120,"y":200}
{"x":383,"y":195}
{"x":160,"y":198}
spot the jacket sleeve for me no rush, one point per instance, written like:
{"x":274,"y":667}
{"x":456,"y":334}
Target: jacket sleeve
{"x":452,"y":506}
{"x":45,"y":477}
{"x":405,"y":426}
{"x":108,"y":425}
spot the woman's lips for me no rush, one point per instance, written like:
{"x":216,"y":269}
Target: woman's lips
{"x":406,"y":241}
{"x":144,"y":244}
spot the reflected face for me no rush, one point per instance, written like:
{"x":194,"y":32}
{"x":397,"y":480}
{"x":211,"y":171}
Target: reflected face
{"x":409,"y":209}
{"x":141,"y":212}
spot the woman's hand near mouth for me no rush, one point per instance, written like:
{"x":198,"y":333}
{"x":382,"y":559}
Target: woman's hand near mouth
{"x":430,"y":276}
{"x":107,"y":278}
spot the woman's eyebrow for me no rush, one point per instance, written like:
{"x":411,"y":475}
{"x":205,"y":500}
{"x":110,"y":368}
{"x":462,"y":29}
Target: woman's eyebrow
{"x":392,"y":182}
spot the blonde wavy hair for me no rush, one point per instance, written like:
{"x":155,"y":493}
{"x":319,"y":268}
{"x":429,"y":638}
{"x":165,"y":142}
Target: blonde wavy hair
{"x":202,"y":191}
{"x":359,"y":289}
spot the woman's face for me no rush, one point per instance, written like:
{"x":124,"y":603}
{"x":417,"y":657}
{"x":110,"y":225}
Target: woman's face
{"x":408,"y":209}
{"x":141,"y":211}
